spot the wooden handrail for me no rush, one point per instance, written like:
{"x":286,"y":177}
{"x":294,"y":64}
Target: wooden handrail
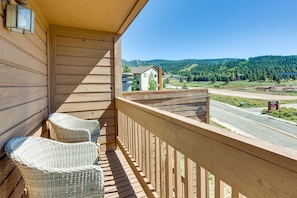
{"x":251,"y":167}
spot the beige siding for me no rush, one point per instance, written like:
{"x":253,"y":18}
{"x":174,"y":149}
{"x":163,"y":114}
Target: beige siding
{"x":82,"y":77}
{"x":23,"y":93}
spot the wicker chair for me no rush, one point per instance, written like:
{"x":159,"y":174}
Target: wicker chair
{"x":56,"y":169}
{"x":68,"y":128}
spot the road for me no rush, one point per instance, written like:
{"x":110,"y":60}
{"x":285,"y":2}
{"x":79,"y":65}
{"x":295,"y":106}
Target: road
{"x":254,"y":124}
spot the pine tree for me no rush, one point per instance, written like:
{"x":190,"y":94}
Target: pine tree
{"x":152,"y":82}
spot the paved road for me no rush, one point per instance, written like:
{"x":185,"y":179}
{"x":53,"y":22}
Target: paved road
{"x":255,"y":124}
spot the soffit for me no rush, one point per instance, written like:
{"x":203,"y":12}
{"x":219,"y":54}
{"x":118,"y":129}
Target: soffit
{"x":104,"y":15}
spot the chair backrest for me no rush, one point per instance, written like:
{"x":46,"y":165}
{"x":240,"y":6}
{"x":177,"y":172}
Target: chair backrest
{"x":68,"y":128}
{"x":36,"y":152}
{"x":63,"y":120}
{"x":28,"y":150}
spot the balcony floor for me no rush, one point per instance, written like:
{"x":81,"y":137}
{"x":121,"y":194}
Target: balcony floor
{"x":119,"y":178}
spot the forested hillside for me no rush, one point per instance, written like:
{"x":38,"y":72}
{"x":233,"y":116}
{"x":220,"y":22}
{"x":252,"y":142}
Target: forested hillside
{"x":257,"y":68}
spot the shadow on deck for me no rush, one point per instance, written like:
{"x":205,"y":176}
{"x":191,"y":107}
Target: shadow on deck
{"x":120,"y":181}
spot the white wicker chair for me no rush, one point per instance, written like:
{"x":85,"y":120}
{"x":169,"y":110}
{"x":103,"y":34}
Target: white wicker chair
{"x":69,"y":128}
{"x":55,"y":169}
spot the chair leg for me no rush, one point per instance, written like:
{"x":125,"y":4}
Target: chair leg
{"x":99,"y":153}
{"x":98,"y":149}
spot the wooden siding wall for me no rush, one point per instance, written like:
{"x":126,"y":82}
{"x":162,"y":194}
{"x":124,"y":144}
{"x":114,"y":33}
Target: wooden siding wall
{"x":23,"y":92}
{"x":83,"y":70}
{"x":192,"y":103}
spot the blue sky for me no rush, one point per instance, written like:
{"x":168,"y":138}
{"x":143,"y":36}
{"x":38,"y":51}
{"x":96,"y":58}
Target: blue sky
{"x":206,"y":29}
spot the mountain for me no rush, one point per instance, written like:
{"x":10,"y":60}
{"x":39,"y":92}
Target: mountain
{"x":174,"y":66}
{"x":157,"y":62}
{"x":255,"y":68}
{"x":178,"y":65}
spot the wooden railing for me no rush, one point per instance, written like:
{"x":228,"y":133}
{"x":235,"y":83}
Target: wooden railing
{"x":174,"y":156}
{"x":191,"y":103}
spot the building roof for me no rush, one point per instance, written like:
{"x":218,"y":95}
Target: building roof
{"x":141,"y":69}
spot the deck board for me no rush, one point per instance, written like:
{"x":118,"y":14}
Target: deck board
{"x":119,"y":178}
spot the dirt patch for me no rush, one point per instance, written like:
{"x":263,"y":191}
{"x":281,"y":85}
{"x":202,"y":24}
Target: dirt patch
{"x":252,"y":95}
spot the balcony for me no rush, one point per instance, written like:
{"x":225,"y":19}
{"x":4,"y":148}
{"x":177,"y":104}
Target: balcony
{"x":74,"y":66}
{"x":166,"y":154}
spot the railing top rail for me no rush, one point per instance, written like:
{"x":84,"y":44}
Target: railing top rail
{"x":179,"y":92}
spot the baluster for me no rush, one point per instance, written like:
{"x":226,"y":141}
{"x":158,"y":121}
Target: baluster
{"x":219,"y":188}
{"x":133,"y":142}
{"x":120,"y":125}
{"x":125,"y":126}
{"x":177,"y":174}
{"x":129,"y":135}
{"x":152,"y":161}
{"x":142,"y":148}
{"x":136,"y":142}
{"x":157,"y":165}
{"x":162,"y":169}
{"x":169,"y":172}
{"x":147,"y":155}
{"x":236,"y":194}
{"x":202,"y":182}
{"x":188,"y":177}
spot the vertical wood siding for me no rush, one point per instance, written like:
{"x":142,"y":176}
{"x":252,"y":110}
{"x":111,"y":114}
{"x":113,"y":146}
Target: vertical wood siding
{"x":23,"y":93}
{"x":82,"y":77}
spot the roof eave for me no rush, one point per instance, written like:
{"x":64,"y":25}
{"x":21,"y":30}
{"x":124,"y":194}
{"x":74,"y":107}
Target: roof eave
{"x":101,"y":15}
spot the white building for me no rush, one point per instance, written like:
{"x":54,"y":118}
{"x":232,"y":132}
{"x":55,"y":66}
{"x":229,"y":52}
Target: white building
{"x":141,"y":75}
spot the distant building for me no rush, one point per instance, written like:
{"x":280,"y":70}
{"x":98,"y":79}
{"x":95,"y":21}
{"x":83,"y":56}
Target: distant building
{"x":141,"y":75}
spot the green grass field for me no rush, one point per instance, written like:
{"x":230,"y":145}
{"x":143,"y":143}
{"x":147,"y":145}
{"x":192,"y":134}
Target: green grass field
{"x":242,"y":85}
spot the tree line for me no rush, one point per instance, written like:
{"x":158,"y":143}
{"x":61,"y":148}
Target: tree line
{"x":229,"y":69}
{"x":262,"y":68}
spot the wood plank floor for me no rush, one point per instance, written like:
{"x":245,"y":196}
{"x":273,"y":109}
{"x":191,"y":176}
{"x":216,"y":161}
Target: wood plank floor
{"x":119,"y":178}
